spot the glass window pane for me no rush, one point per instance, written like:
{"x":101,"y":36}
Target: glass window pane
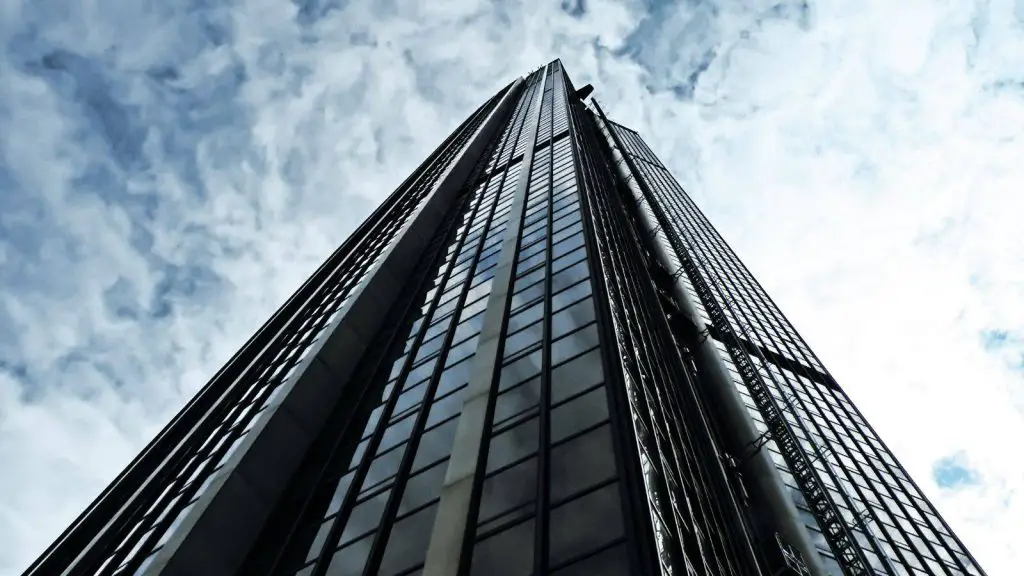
{"x":571,"y":294}
{"x":520,"y":369}
{"x":513,"y":444}
{"x":429,"y":347}
{"x":572,"y":220}
{"x":383,"y":468}
{"x":407,"y":545}
{"x":571,"y":318}
{"x":509,"y":490}
{"x":468,"y":328}
{"x":579,"y":413}
{"x":611,"y":562}
{"x":529,"y":278}
{"x":397,"y":432}
{"x":422,"y":371}
{"x":410,"y":398}
{"x":585,"y":523}
{"x":527,"y":295}
{"x":423,"y":487}
{"x":530,"y":260}
{"x":463,"y":349}
{"x":507,"y":553}
{"x":523,"y":339}
{"x":576,"y":375}
{"x":436,"y":443}
{"x":339,"y":494}
{"x":517,"y":400}
{"x":365,"y":516}
{"x":349,"y":561}
{"x":318,"y":540}
{"x":573,"y":344}
{"x":568,"y":260}
{"x":360,"y":451}
{"x":371,"y":424}
{"x":525,"y":317}
{"x":454,"y":376}
{"x":581,"y":463}
{"x":446,"y":407}
{"x":567,"y":232}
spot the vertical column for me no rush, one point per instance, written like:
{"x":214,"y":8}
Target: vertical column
{"x":444,"y":553}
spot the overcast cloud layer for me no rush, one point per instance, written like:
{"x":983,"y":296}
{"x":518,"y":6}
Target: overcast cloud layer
{"x":169,"y":175}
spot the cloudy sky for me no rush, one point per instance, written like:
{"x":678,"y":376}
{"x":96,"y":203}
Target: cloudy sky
{"x":168,"y":175}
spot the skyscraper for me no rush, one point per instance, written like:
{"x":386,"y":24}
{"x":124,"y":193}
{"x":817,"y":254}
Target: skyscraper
{"x":537,"y":356}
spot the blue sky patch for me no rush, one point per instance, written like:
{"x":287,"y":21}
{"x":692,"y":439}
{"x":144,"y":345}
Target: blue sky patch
{"x":953,"y":472}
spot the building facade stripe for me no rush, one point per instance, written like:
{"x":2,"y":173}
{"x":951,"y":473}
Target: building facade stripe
{"x":445,"y":551}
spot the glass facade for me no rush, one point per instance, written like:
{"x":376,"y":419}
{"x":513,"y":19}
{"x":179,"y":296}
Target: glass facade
{"x":510,"y":393}
{"x":895,"y":528}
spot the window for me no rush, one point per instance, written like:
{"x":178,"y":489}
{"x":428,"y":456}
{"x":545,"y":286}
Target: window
{"x":611,"y":562}
{"x":383,"y":469}
{"x":569,"y":259}
{"x":574,"y":343}
{"x":582,"y":462}
{"x":585,"y":523}
{"x":462,"y":350}
{"x":398,"y":432}
{"x":513,"y":444}
{"x":423,"y":487}
{"x":523,"y":339}
{"x":365,"y":517}
{"x":407,"y":545}
{"x":569,"y":295}
{"x":508,"y":494}
{"x":507,"y":553}
{"x":349,"y":561}
{"x":339,"y":493}
{"x":454,"y":375}
{"x":436,"y":443}
{"x":516,"y":401}
{"x":579,"y":413}
{"x":318,"y":540}
{"x":444,"y":408}
{"x":571,"y":318}
{"x":520,"y":369}
{"x":525,"y":317}
{"x":576,"y":375}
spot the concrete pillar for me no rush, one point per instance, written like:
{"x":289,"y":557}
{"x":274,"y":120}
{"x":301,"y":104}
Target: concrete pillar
{"x":444,"y":553}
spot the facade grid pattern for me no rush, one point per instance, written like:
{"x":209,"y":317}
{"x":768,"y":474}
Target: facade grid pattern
{"x":895,"y":526}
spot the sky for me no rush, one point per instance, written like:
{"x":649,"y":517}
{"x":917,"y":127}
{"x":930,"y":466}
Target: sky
{"x":171,"y":171}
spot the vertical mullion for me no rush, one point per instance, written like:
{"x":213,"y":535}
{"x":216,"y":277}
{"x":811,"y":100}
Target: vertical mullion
{"x":543,"y":513}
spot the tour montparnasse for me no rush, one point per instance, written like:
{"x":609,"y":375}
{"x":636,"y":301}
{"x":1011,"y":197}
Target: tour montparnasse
{"x":537,"y":356}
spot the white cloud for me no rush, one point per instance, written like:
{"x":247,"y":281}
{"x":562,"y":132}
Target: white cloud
{"x":168,"y":178}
